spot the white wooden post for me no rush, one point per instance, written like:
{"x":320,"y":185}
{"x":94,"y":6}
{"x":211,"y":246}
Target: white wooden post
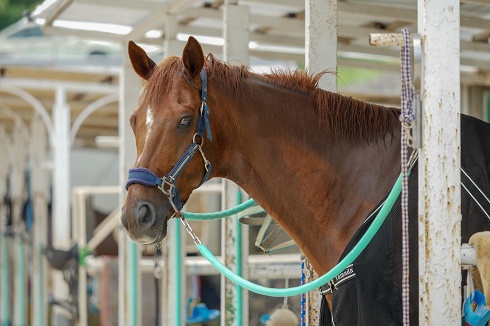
{"x":61,"y":194}
{"x":39,"y":146}
{"x":320,"y":55}
{"x":80,"y":236}
{"x":234,"y":310}
{"x":129,"y":252}
{"x":321,"y":40}
{"x":439,"y":165}
{"x":5,"y":166}
{"x":18,"y":196}
{"x":174,"y":248}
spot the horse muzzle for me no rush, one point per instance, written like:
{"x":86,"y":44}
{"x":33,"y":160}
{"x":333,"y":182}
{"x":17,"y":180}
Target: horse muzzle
{"x":144,"y":223}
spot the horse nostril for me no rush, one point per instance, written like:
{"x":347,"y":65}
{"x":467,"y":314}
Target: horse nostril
{"x":124,"y":220}
{"x":145,"y":216}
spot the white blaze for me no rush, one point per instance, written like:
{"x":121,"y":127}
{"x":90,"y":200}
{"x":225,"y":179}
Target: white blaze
{"x":149,"y":124}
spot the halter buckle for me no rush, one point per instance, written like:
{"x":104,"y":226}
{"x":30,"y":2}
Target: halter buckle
{"x":203,"y":103}
{"x":165,"y":181}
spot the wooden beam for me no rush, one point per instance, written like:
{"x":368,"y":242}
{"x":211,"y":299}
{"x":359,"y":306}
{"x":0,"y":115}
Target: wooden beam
{"x":99,"y":35}
{"x":153,"y":21}
{"x":152,"y":6}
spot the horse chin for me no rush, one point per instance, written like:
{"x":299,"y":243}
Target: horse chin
{"x":162,"y":234}
{"x":152,"y":237}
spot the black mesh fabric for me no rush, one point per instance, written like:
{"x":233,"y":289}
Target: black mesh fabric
{"x":373,"y":297}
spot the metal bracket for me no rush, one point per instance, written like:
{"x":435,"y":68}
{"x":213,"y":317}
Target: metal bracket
{"x":396,"y":39}
{"x":417,"y":101}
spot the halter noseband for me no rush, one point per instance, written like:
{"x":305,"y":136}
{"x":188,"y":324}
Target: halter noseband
{"x":147,"y":178}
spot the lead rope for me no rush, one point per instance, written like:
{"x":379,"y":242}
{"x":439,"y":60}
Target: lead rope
{"x":406,"y":118}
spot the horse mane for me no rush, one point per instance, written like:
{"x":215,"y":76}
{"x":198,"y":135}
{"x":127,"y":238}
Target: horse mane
{"x":344,"y":116}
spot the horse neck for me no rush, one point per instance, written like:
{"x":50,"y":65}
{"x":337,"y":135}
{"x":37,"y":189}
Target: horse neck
{"x":318,"y":187}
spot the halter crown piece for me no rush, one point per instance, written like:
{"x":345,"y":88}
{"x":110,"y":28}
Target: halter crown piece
{"x":147,"y":178}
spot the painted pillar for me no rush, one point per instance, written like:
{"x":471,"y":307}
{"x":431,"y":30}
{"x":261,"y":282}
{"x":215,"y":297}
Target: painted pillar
{"x":174,"y":246}
{"x":80,"y":236}
{"x":321,"y":40}
{"x":61,"y":194}
{"x":129,"y":252}
{"x":5,"y":166}
{"x":234,"y":302}
{"x":39,"y":146}
{"x":439,"y":165}
{"x":18,"y":192}
{"x":320,"y":55}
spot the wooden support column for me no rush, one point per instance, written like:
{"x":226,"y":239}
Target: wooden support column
{"x":321,"y":40}
{"x":61,"y":194}
{"x":174,"y":252}
{"x":321,"y":54}
{"x":129,"y":252}
{"x":439,"y":165}
{"x":5,"y":277}
{"x":234,"y":303}
{"x":39,"y":147}
{"x":18,"y":191}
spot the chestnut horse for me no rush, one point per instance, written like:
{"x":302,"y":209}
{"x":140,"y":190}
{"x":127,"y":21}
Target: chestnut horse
{"x":317,"y":161}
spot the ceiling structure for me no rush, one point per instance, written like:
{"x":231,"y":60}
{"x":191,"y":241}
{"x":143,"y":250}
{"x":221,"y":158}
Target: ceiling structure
{"x":277,"y":29}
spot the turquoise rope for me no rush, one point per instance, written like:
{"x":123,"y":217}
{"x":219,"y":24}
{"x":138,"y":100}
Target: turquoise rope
{"x":218,"y":215}
{"x":239,"y":264}
{"x":351,"y":256}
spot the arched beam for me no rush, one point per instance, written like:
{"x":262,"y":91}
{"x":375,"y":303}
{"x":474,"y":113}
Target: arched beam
{"x":40,"y":109}
{"x":18,"y":120}
{"x":94,"y":106}
{"x":8,"y":141}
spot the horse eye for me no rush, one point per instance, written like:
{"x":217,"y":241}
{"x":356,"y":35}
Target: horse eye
{"x":185,"y":122}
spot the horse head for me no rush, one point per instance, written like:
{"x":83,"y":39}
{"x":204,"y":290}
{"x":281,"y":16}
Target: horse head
{"x":169,"y":129}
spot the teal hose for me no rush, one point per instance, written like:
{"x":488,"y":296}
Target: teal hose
{"x":218,"y":215}
{"x":351,"y":256}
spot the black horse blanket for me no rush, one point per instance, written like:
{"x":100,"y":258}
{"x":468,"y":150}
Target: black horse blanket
{"x":369,"y":293}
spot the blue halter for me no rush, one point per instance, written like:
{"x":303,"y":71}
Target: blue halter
{"x":148,"y":178}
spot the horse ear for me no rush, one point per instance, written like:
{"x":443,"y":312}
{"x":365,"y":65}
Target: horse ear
{"x":142,"y":64}
{"x":193,"y":57}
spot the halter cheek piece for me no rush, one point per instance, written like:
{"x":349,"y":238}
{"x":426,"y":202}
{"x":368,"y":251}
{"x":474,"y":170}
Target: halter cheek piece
{"x":167,"y":183}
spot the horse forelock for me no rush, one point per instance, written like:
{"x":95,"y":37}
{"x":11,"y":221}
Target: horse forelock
{"x":160,"y":82}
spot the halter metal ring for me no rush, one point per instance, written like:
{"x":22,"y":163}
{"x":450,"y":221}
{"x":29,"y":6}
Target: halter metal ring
{"x":194,"y":139}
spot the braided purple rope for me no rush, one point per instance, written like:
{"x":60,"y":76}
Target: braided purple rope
{"x":406,"y":118}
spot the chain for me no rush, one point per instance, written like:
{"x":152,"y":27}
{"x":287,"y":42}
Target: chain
{"x":188,"y":228}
